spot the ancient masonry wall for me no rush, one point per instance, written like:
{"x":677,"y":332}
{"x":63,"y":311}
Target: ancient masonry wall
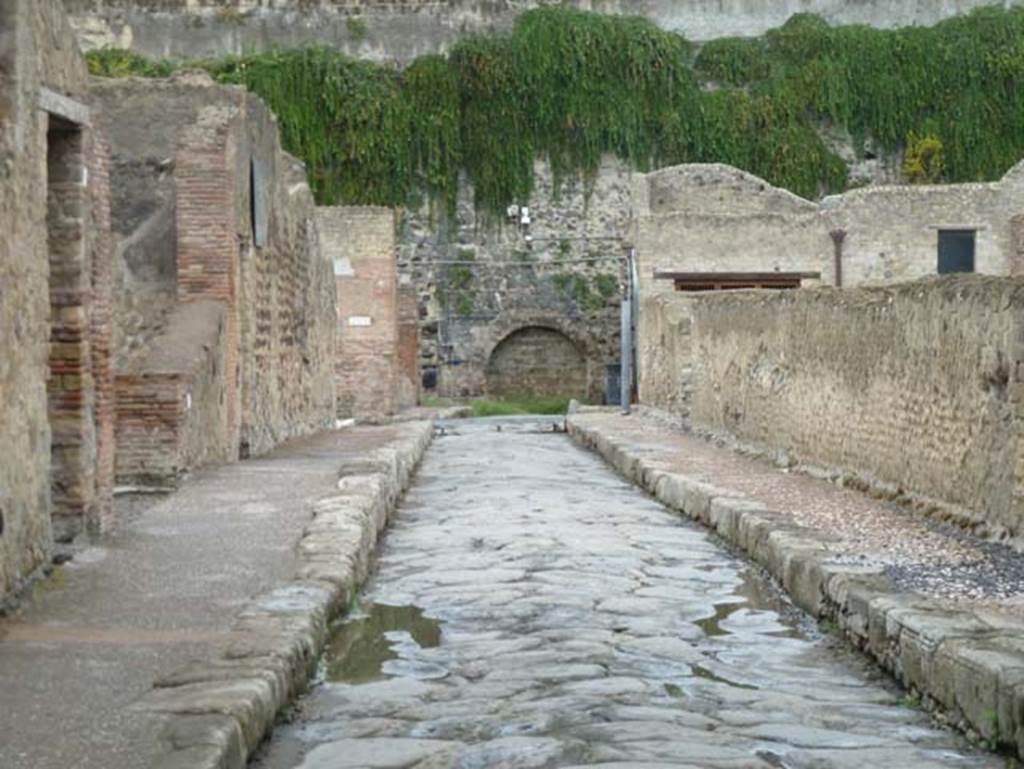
{"x":714,"y":218}
{"x":399,"y":31}
{"x":917,"y":388}
{"x":360,"y":240}
{"x":54,"y":269}
{"x":172,"y":403}
{"x":212,"y":209}
{"x":665,"y":352}
{"x":408,"y":347}
{"x":483,"y":278}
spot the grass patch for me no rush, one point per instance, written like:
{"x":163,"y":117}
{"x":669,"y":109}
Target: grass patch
{"x":520,"y":405}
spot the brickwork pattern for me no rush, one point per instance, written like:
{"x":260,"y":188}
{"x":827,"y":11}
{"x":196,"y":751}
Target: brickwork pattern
{"x":207,"y":241}
{"x":172,"y":402}
{"x":37,"y":52}
{"x":102,"y":329}
{"x":361,"y":242}
{"x":408,"y":347}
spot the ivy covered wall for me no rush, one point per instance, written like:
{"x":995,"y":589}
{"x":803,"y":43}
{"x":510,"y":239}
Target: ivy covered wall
{"x":569,"y":86}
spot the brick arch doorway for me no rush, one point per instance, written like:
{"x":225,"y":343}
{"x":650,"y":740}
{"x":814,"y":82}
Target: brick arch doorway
{"x":537,"y":361}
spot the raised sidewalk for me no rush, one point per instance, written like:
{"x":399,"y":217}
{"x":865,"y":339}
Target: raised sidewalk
{"x":176,"y":641}
{"x":938,"y":608}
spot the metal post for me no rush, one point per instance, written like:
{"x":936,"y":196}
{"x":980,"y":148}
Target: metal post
{"x":626,"y":367}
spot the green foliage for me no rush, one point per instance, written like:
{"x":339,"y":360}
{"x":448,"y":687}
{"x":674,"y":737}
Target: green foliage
{"x":356,"y":28}
{"x":924,"y":159}
{"x":570,"y":86}
{"x":732,"y":61}
{"x":117,"y":62}
{"x":589,"y":296}
{"x":607,"y":285}
{"x":521,"y":405}
{"x":465,"y":305}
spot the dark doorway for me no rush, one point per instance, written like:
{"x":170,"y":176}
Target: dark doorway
{"x":956,"y":251}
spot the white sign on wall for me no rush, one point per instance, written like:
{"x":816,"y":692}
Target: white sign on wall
{"x":360,"y":320}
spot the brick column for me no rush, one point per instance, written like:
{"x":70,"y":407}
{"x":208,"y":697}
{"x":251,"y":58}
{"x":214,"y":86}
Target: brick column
{"x":101,"y":328}
{"x":70,"y":385}
{"x":208,"y":261}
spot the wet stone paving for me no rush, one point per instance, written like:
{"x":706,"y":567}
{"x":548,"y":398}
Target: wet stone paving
{"x":531,"y":609}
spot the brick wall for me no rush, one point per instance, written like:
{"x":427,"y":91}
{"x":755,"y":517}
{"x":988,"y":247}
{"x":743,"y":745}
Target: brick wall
{"x":42,"y":72}
{"x":70,"y":384}
{"x":360,"y":241}
{"x":102,"y":328}
{"x":205,"y":219}
{"x":917,"y":387}
{"x":409,"y":378}
{"x":171,"y":402}
{"x":185,"y":231}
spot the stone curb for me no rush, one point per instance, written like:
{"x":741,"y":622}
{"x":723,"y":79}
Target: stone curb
{"x":968,"y":668}
{"x":218,"y":711}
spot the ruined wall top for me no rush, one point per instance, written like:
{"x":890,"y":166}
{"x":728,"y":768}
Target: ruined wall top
{"x":388,"y":30}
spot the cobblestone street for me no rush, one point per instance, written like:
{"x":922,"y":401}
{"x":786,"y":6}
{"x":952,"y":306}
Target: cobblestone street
{"x":531,"y":609}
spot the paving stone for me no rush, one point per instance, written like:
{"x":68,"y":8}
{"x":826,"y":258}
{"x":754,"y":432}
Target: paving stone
{"x":584,"y":624}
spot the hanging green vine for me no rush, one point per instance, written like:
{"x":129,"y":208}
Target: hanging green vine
{"x":570,"y":86}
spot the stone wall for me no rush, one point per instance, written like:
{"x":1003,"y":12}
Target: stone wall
{"x":360,"y":241}
{"x":537,"y":361}
{"x":383,"y":30}
{"x":917,"y":388}
{"x":482,"y":278}
{"x":54,"y":270}
{"x":665,"y":352}
{"x":213,"y":209}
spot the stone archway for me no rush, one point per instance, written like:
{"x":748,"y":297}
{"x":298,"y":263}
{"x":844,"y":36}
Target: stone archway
{"x":537,"y":361}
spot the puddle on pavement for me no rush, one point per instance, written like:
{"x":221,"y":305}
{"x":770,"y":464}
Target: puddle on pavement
{"x":362,"y":645}
{"x":755,"y":596}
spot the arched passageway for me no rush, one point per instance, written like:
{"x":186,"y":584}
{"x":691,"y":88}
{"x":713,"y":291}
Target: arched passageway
{"x":539,"y":362}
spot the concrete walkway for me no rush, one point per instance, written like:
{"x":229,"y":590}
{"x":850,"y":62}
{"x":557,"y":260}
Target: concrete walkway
{"x":162,"y":590}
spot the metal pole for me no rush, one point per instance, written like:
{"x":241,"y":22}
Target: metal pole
{"x":626,"y":366}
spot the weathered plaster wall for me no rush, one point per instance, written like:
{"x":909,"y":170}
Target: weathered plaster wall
{"x":917,"y":386}
{"x":665,"y":352}
{"x":892,"y":232}
{"x":716,"y":218}
{"x":190,"y":155}
{"x":711,"y":218}
{"x":480,"y":280}
{"x":360,"y":241}
{"x":37,"y":52}
{"x":388,"y":30}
